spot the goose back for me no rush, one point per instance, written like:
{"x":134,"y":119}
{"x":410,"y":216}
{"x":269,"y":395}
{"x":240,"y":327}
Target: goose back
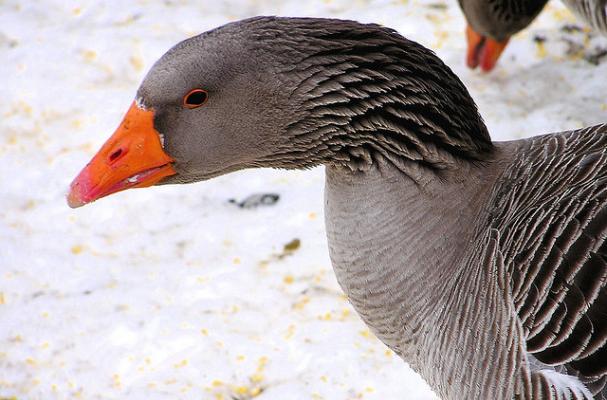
{"x":551,"y":212}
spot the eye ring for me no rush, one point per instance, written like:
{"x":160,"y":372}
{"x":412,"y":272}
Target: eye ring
{"x":195,"y":98}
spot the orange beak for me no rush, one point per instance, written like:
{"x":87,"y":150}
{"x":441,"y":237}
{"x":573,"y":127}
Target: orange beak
{"x":482,"y":50}
{"x":132,"y":158}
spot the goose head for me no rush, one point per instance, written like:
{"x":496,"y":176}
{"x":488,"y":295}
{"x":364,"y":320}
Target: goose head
{"x":286,"y":93}
{"x":491,"y":23}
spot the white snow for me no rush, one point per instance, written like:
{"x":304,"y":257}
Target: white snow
{"x":173,"y":292}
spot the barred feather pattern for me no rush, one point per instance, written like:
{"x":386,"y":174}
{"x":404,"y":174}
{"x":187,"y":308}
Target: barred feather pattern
{"x":445,"y":311}
{"x":497,"y":295}
{"x":507,"y":10}
{"x":551,"y":211}
{"x":594,"y":12}
{"x":362,"y":91}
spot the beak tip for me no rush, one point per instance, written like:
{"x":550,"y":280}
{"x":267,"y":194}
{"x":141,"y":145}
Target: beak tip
{"x":74,"y":200}
{"x":487,"y":68}
{"x":471,"y":62}
{"x":75,"y":196}
{"x":74,"y":203}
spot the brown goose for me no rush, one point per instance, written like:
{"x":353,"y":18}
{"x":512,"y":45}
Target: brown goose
{"x":483,"y":265}
{"x":491,"y":23}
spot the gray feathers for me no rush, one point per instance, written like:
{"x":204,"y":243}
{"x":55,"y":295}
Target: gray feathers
{"x":551,"y":211}
{"x":363,"y":88}
{"x":483,"y":265}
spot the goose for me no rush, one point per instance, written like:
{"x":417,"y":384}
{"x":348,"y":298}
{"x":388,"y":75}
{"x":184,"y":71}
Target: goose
{"x":593,"y":12}
{"x":481,"y":264}
{"x":492,"y":23}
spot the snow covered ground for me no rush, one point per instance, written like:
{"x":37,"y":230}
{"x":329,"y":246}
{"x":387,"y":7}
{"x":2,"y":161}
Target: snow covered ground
{"x":174,"y":292}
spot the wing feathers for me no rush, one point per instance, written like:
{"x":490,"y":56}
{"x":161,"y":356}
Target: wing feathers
{"x":552,"y":217}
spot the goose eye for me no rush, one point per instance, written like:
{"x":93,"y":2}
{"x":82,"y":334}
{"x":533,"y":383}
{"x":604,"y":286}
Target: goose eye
{"x":195,"y":98}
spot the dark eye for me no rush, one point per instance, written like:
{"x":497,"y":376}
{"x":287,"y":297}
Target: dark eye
{"x":195,"y":98}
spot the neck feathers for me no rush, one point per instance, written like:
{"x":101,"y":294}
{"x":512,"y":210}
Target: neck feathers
{"x":364,"y":90}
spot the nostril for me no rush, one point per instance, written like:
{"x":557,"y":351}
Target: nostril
{"x":116,"y":155}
